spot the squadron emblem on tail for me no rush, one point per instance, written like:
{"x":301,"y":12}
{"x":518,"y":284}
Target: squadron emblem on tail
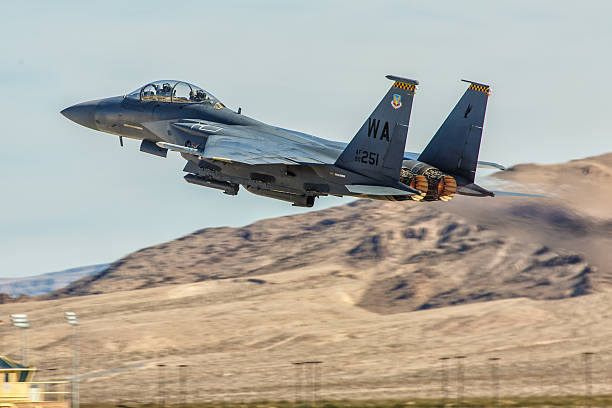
{"x":396,"y":102}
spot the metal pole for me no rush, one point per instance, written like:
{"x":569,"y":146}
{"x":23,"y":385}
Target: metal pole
{"x":304,"y":383}
{"x":20,"y":320}
{"x":312,"y":375}
{"x":460,"y":379}
{"x":495,"y":379}
{"x":160,"y":397}
{"x":588,"y":378}
{"x":301,"y":380}
{"x":24,"y":346}
{"x":75,"y":366}
{"x":55,"y":387}
{"x":183,"y":380}
{"x":297,"y":381}
{"x":317,"y":381}
{"x":313,"y":372}
{"x":444,"y":380}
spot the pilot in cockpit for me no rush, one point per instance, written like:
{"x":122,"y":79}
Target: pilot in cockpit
{"x":166,"y":89}
{"x":197,"y":96}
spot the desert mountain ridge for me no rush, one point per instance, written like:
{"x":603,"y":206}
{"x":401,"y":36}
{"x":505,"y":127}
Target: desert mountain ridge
{"x":416,"y":255}
{"x":47,"y":282}
{"x":380,"y":292}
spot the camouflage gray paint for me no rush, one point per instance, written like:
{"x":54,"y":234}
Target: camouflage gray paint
{"x":225,"y":149}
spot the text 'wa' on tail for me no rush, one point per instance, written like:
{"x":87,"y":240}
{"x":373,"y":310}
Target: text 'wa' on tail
{"x":377,"y":150}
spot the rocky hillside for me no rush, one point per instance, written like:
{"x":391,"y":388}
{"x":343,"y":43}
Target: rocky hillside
{"x":577,"y":216}
{"x":361,"y":287}
{"x":423,"y":255}
{"x":419,"y":256}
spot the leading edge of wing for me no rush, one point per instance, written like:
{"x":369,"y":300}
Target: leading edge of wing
{"x":234,"y":146}
{"x":237,"y":155}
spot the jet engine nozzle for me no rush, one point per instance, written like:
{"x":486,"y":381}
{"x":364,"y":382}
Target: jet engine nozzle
{"x":420,"y":183}
{"x":447,"y":188}
{"x":415,"y":181}
{"x":435,"y":184}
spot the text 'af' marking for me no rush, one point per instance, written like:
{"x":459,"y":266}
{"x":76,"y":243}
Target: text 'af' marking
{"x":366,"y":157}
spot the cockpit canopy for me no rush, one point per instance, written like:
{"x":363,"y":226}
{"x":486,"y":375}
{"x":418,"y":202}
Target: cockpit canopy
{"x":173,"y":92}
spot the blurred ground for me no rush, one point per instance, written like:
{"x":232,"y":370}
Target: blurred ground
{"x":240,"y":336}
{"x":379,"y":292}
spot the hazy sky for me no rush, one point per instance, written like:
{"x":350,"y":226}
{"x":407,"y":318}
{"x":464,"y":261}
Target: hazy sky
{"x":71,"y":196}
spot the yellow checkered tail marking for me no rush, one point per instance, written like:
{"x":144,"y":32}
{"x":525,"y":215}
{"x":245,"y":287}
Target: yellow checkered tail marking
{"x":480,"y":88}
{"x":403,"y":85}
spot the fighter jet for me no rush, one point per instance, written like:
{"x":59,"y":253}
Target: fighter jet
{"x":225,"y":149}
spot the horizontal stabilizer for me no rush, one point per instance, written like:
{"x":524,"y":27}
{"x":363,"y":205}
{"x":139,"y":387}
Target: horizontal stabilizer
{"x":379,"y":190}
{"x":475,"y":190}
{"x":514,"y":194}
{"x":490,"y":165}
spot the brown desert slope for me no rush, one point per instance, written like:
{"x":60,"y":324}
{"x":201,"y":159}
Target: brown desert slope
{"x":240,"y":336}
{"x":413,"y":255}
{"x":361,"y":287}
{"x":584,"y":185}
{"x":576,"y":217}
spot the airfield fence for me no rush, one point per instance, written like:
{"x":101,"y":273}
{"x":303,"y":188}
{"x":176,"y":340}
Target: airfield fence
{"x":449,"y":379}
{"x":453,"y":381}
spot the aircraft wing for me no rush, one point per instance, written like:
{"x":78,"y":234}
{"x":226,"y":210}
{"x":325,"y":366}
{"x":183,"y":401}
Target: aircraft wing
{"x":242,"y":144}
{"x":249,"y":145}
{"x":248,"y":151}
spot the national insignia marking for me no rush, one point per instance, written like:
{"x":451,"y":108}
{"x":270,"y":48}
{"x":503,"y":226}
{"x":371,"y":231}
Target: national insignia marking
{"x":396,"y":102}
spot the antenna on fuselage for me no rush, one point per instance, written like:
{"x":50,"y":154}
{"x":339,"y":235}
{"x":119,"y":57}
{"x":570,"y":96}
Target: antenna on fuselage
{"x":121,"y":140}
{"x":239,"y":110}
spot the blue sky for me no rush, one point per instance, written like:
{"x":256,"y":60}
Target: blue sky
{"x":71,"y":196}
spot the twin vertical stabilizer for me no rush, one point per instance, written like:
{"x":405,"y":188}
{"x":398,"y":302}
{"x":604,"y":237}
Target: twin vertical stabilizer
{"x":377,"y":150}
{"x":455,"y":146}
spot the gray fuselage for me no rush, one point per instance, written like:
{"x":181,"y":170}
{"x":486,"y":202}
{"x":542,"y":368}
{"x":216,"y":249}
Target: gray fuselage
{"x":125,"y":117}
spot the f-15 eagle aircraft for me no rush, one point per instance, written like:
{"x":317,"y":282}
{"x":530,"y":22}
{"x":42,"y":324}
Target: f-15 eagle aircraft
{"x":225,"y":149}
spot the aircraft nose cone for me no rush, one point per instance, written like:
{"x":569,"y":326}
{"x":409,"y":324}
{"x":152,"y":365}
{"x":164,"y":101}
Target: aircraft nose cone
{"x":82,"y":113}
